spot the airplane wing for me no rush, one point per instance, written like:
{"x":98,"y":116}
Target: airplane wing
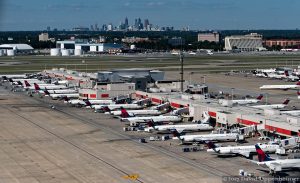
{"x":180,"y":130}
{"x":243,"y":153}
{"x":275,"y":166}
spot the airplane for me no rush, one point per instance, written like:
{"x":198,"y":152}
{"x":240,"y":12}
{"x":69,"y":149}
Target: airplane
{"x":240,"y":150}
{"x":248,"y":101}
{"x":131,"y":113}
{"x":16,"y":76}
{"x":275,"y":165}
{"x":55,"y":96}
{"x":88,"y":102}
{"x":292,"y":112}
{"x":111,"y":107}
{"x":155,"y":119}
{"x":49,"y":86}
{"x":281,"y":87}
{"x":205,"y":137}
{"x":273,"y":106}
{"x":180,"y":128}
{"x":48,"y":92}
{"x":292,"y":77}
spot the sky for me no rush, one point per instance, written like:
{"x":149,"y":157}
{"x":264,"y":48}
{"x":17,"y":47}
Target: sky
{"x":16,"y":15}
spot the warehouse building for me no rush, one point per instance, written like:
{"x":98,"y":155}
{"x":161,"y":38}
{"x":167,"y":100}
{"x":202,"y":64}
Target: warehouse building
{"x":210,"y":37}
{"x":16,"y":49}
{"x":250,"y":42}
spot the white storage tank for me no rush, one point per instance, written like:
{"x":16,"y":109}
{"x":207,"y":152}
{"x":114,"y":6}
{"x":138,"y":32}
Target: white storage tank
{"x":55,"y":52}
{"x":65,"y":52}
{"x":78,"y":52}
{"x":10,"y":52}
{"x":1,"y":53}
{"x":132,"y":47}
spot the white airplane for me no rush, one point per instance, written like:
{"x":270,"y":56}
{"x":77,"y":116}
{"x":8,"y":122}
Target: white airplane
{"x":55,"y":96}
{"x":273,"y":106}
{"x":206,"y":137}
{"x":280,"y":87}
{"x":240,"y":150}
{"x":248,"y":101}
{"x":10,"y":76}
{"x":131,"y":113}
{"x":48,"y":92}
{"x":111,"y":107}
{"x":292,"y":112}
{"x":292,"y":77}
{"x":180,"y":128}
{"x":161,"y":106}
{"x":48,"y":86}
{"x":275,"y":165}
{"x":89,"y":103}
{"x":155,"y":119}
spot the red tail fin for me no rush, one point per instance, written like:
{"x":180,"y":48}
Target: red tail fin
{"x":286,"y":73}
{"x":150,"y":123}
{"x":261,"y":154}
{"x":298,"y":83}
{"x":26,"y":83}
{"x":286,"y":102}
{"x":124,"y":113}
{"x":36,"y":86}
{"x":259,"y":97}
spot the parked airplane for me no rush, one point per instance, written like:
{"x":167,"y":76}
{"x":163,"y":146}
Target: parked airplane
{"x":281,"y":87}
{"x":292,"y":112}
{"x":131,"y":113}
{"x":275,"y":165}
{"x":48,"y":92}
{"x":180,"y":128}
{"x":89,"y":102}
{"x":273,"y":106}
{"x":111,"y":107}
{"x":55,"y":96}
{"x":155,"y":119}
{"x":240,"y":150}
{"x":206,"y":137}
{"x":49,"y":86}
{"x":248,"y":101}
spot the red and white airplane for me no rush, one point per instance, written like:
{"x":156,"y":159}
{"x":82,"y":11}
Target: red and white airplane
{"x":131,"y":113}
{"x":281,"y":87}
{"x":275,"y":165}
{"x":273,"y":106}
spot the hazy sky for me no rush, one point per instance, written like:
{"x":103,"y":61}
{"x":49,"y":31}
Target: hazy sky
{"x":198,"y":14}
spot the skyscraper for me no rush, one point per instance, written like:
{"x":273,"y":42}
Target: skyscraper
{"x":126,"y":23}
{"x":146,"y":24}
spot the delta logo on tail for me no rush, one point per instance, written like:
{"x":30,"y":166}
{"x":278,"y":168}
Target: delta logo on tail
{"x":36,"y":87}
{"x":259,"y":97}
{"x":46,"y":92}
{"x":286,"y":102}
{"x":87,"y":102}
{"x":262,"y":156}
{"x":124,"y":113}
{"x":26,"y":83}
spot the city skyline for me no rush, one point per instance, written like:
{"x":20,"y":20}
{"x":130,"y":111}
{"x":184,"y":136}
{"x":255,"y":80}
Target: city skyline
{"x":15,"y":15}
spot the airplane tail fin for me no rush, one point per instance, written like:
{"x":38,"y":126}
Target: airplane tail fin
{"x":260,"y":97}
{"x":65,"y":98}
{"x":266,"y":74}
{"x":286,"y":101}
{"x":176,"y":133}
{"x":124,"y":113}
{"x":262,"y":156}
{"x":210,"y":144}
{"x":26,"y":83}
{"x":150,"y":123}
{"x":106,"y":109}
{"x":10,"y":80}
{"x":20,"y":83}
{"x":286,"y":73}
{"x":36,"y":86}
{"x":298,"y":83}
{"x":87,"y":102}
{"x":46,"y":92}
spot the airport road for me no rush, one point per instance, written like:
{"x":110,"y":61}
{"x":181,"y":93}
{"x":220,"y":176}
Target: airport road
{"x":39,"y":144}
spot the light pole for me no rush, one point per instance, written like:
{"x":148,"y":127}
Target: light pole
{"x":232,"y":93}
{"x":181,"y":73}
